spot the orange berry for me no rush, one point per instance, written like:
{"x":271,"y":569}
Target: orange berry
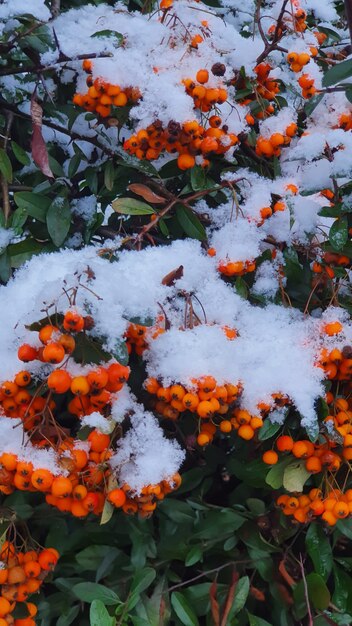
{"x":23,"y":378}
{"x":53,"y":353}
{"x":313,"y":465}
{"x":46,"y":332}
{"x":98,"y":441}
{"x":59,"y":381}
{"x":270,"y":457}
{"x":185,"y":161}
{"x":42,"y":479}
{"x":284,"y":443}
{"x":117,"y":497}
{"x":73,"y":321}
{"x":27,"y":353}
{"x":333,"y":328}
{"x":80,"y":386}
{"x":202,"y":76}
{"x":246,"y":432}
{"x":47,"y":559}
{"x":61,"y":487}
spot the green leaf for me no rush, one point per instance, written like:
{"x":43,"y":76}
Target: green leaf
{"x":194,"y":555}
{"x":110,"y":34}
{"x":295,"y":476}
{"x":345,"y":527}
{"x":35,"y":204}
{"x":91,"y":557}
{"x":318,"y":594}
{"x":58,"y":220}
{"x":241,"y":595}
{"x":254,"y":620}
{"x":339,"y":72}
{"x":109,"y":175}
{"x":130,"y":206}
{"x":313,"y":103}
{"x":88,"y":591}
{"x":275,"y":475}
{"x":319,"y":550}
{"x":18,"y":219}
{"x":190,"y":223}
{"x":268,"y":430}
{"x":20,"y":154}
{"x":183,"y":610}
{"x":68,"y":617}
{"x":343,"y":588}
{"x":241,"y":287}
{"x":5,"y":166}
{"x":5,"y":266}
{"x":99,"y":615}
{"x":198,"y":178}
{"x":338,"y":234}
{"x":120,"y":352}
{"x":142,"y":580}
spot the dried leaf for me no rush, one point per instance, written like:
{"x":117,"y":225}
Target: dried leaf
{"x":170,"y":278}
{"x":146,"y":193}
{"x":214,"y":604}
{"x":39,"y":149}
{"x":285,"y":575}
{"x":229,"y":598}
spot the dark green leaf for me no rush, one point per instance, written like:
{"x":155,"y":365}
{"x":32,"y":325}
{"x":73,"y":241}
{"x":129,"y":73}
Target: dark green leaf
{"x":193,"y":556}
{"x":338,"y":234}
{"x":337,"y":73}
{"x":68,"y":617}
{"x":268,"y":430}
{"x":58,"y":220}
{"x":198,"y":178}
{"x":99,"y":615}
{"x":241,"y":595}
{"x":254,"y":620}
{"x":130,"y":206}
{"x":5,"y":166}
{"x":110,"y":34}
{"x":142,"y":580}
{"x":109,"y":175}
{"x":190,"y":223}
{"x":87,"y":592}
{"x":319,"y":550}
{"x":35,"y":204}
{"x":20,"y":154}
{"x":183,"y":610}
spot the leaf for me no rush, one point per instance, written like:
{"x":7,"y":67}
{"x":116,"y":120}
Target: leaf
{"x":339,"y":72}
{"x":313,"y":103}
{"x":198,"y":178}
{"x":170,"y":278}
{"x":110,"y":34}
{"x":190,"y":223}
{"x":345,"y":527}
{"x":343,"y":588}
{"x":35,"y":204}
{"x":5,"y":166}
{"x":39,"y":149}
{"x":319,"y":550}
{"x":241,"y":595}
{"x":68,"y":617}
{"x":241,"y":287}
{"x":338,"y":234}
{"x":130,"y":206}
{"x":194,"y":555}
{"x":268,"y":430}
{"x":295,"y":476}
{"x":141,"y":581}
{"x":275,"y":475}
{"x":183,"y":610}
{"x":88,"y":592}
{"x":120,"y":352}
{"x":99,"y":615}
{"x":58,"y":220}
{"x":254,"y":620}
{"x":146,"y":193}
{"x":109,"y":175}
{"x":318,"y":592}
{"x":20,"y":154}
{"x":91,"y":557}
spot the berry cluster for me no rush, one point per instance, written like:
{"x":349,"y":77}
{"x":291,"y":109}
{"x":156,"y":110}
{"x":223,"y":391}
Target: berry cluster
{"x":271,"y":146}
{"x":22,"y":573}
{"x":331,"y":507}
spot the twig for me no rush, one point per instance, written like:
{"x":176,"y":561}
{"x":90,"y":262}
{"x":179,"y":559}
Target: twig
{"x":35,"y":69}
{"x":310,"y":616}
{"x":348,"y":12}
{"x":4,"y":184}
{"x":269,"y":47}
{"x":209,"y":571}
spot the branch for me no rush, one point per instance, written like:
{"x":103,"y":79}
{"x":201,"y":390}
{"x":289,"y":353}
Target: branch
{"x":269,"y":47}
{"x":4,"y":184}
{"x":39,"y":69}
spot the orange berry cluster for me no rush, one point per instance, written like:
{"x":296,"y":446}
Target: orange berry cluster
{"x":204,"y":98}
{"x":307,"y":85}
{"x":319,"y":456}
{"x":303,"y":508}
{"x":236,"y":268}
{"x":188,"y":141}
{"x":22,"y":573}
{"x":326,"y":269}
{"x":145,"y":503}
{"x":271,"y":146}
{"x":297,"y":60}
{"x":205,"y":398}
{"x":102,"y":96}
{"x":263,"y":87}
{"x":138,"y":335}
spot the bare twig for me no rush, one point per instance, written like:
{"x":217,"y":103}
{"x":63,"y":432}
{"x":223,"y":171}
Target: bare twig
{"x":55,"y":8}
{"x":310,"y":616}
{"x":4,"y":183}
{"x":28,"y":69}
{"x":269,"y":47}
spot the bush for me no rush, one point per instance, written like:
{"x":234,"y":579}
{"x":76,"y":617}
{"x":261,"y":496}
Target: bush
{"x":176,"y":338}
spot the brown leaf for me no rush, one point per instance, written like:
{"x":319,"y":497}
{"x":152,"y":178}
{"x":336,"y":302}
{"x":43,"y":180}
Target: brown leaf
{"x":285,"y":594}
{"x":257,"y":593}
{"x":170,"y":278}
{"x":214,"y":604}
{"x":39,"y":149}
{"x":285,"y":575}
{"x":229,"y":598}
{"x":146,"y":193}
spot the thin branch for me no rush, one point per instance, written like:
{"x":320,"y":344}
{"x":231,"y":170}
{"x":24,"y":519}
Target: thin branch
{"x":4,"y":183}
{"x":28,"y":69}
{"x":348,"y":12}
{"x":310,"y":616}
{"x":269,"y":47}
